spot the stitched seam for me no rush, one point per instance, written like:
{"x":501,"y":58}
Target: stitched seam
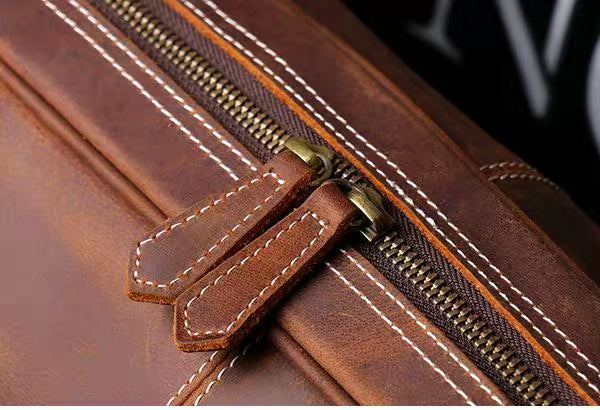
{"x":223,"y":371}
{"x":268,"y":243}
{"x":180,"y":100}
{"x":505,"y":164}
{"x":194,"y":217}
{"x":139,"y":87}
{"x":424,"y":328}
{"x":394,"y":327}
{"x":524,"y":176}
{"x":401,"y":192}
{"x":191,"y":379}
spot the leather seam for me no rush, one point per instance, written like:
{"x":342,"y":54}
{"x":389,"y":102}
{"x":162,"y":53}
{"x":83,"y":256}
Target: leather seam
{"x":268,"y":243}
{"x":152,"y":74}
{"x":524,"y":176}
{"x":192,"y":377}
{"x":403,"y":336}
{"x":413,"y":185}
{"x":423,"y":327}
{"x":138,"y":86}
{"x":505,"y":164}
{"x":224,"y":370}
{"x":194,"y":217}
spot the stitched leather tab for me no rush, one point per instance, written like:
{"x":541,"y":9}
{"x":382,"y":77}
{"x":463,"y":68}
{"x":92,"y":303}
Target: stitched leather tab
{"x":180,"y":251}
{"x":223,"y":306}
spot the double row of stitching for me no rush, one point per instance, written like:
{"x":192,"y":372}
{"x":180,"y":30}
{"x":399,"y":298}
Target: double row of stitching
{"x":133,"y":81}
{"x":528,"y":176}
{"x":401,"y":192}
{"x":515,"y":170}
{"x":423,"y":327}
{"x":189,"y":381}
{"x":268,"y":243}
{"x":177,"y":97}
{"x":194,"y":217}
{"x":403,"y":336}
{"x":392,"y":183}
{"x":507,"y":164}
{"x":224,"y":370}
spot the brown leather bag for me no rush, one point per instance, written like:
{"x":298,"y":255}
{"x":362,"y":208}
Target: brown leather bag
{"x":298,"y":217}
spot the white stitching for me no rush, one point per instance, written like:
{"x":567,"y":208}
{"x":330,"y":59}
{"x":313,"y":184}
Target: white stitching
{"x":402,"y":335}
{"x":139,"y":87}
{"x":504,"y":164}
{"x":194,"y":217}
{"x":162,"y":83}
{"x":270,"y":241}
{"x":192,"y":377}
{"x":222,"y":373}
{"x":531,"y":177}
{"x":400,"y":191}
{"x":424,"y":328}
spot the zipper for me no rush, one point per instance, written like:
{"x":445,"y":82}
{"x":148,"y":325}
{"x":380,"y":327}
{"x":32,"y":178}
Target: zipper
{"x":217,"y":87}
{"x":458,"y":312}
{"x":511,"y":371}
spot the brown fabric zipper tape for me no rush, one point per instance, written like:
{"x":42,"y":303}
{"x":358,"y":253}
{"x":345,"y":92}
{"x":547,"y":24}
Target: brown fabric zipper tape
{"x":222,"y":307}
{"x":180,"y":251}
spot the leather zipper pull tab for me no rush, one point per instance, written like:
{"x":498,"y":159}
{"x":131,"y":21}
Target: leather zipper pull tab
{"x":183,"y":249}
{"x":224,"y":305}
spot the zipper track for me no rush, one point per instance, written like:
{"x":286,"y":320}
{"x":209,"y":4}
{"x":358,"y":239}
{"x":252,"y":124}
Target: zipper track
{"x":465,"y":319}
{"x":222,"y":91}
{"x":456,"y":310}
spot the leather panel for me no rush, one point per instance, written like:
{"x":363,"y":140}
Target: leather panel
{"x":68,"y":333}
{"x":259,"y":376}
{"x":136,"y":116}
{"x":381,"y":349}
{"x":424,"y":168}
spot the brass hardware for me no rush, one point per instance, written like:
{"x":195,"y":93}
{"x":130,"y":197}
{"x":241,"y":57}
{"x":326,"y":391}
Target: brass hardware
{"x":264,"y":129}
{"x":376,"y":220}
{"x":317,"y":157}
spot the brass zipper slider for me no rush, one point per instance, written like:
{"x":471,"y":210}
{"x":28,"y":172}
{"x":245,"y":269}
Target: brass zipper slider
{"x":183,"y":249}
{"x":222,"y":307}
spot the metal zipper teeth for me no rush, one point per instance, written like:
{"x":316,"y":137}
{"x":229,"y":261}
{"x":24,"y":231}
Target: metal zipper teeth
{"x":272,"y":136}
{"x":254,"y":120}
{"x":469,"y":324}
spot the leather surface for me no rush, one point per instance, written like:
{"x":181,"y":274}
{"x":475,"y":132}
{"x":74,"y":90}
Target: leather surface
{"x":68,"y":333}
{"x":410,"y":154}
{"x":65,"y":234}
{"x":221,"y":308}
{"x":553,"y":210}
{"x":381,"y":349}
{"x":135,"y":116}
{"x":256,"y":375}
{"x":125,"y":127}
{"x":169,"y":259}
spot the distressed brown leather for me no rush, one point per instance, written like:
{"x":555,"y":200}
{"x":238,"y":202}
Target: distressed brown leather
{"x":552,"y":209}
{"x":396,"y":354}
{"x":258,"y":374}
{"x":222,"y":307}
{"x":170,"y":258}
{"x":414,"y":161}
{"x":81,"y":223}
